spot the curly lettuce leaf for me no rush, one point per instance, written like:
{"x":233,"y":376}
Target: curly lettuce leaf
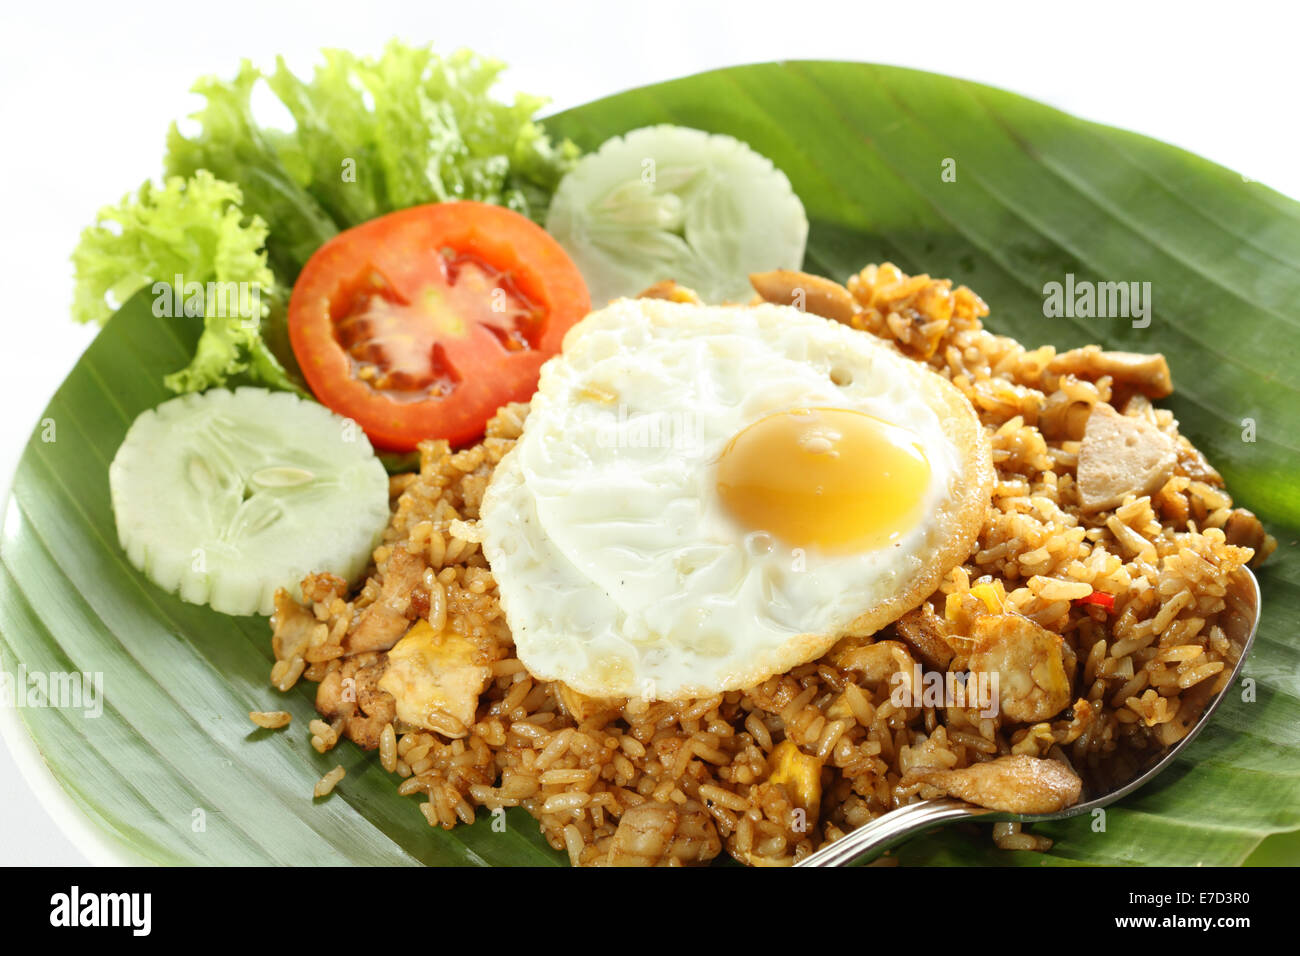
{"x":333,"y":135}
{"x":371,"y":135}
{"x":442,"y":136}
{"x":234,"y":147}
{"x":191,"y":242}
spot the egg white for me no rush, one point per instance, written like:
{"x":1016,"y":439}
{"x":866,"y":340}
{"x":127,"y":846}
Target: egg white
{"x":619,"y":570}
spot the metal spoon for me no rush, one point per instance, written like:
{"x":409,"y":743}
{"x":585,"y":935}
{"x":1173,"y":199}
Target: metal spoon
{"x":1239,"y":622}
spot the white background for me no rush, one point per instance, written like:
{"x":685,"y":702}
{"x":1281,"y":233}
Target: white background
{"x":87,"y":91}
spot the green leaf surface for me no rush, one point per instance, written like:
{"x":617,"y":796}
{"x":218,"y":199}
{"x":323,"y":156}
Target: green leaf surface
{"x":174,"y":769}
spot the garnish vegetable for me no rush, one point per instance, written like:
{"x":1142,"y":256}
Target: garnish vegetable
{"x":422,"y":323}
{"x":668,"y":202}
{"x":227,"y":496}
{"x":248,"y":202}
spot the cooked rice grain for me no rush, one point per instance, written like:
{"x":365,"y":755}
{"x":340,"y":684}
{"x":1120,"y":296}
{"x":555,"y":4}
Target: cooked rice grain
{"x":326,"y":784}
{"x":270,"y":719}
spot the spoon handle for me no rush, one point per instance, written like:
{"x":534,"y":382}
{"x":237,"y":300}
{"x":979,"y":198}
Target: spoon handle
{"x":871,"y":839}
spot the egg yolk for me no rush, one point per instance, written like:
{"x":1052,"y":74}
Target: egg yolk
{"x":831,"y":478}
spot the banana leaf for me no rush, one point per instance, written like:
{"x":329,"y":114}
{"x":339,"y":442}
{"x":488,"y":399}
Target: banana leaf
{"x":935,"y":174}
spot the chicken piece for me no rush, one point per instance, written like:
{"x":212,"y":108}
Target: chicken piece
{"x":1121,"y":456}
{"x":380,"y":625}
{"x":581,"y":707}
{"x":1147,"y":373}
{"x":375,"y":705}
{"x":1015,"y":783}
{"x":352,"y":693}
{"x":430,"y":673}
{"x":670,"y":291}
{"x":925,"y":632}
{"x":801,"y":774}
{"x":291,"y":627}
{"x":664,"y":834}
{"x":334,"y":697}
{"x":877,"y":662}
{"x":1244,"y":530}
{"x":806,"y":292}
{"x":1028,"y":661}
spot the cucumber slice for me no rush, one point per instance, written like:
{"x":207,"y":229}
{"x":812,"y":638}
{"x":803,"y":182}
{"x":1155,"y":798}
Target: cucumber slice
{"x":223,"y":497}
{"x":668,"y":202}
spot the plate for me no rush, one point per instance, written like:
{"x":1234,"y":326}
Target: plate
{"x":935,"y":174}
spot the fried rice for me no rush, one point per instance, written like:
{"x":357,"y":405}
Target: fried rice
{"x":768,"y":774}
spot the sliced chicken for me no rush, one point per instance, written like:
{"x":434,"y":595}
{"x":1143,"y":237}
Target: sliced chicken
{"x":381,"y":625}
{"x":664,"y":834}
{"x":352,"y":693}
{"x":1015,"y":784}
{"x":291,"y":627}
{"x":876,"y":662}
{"x":1147,"y":373}
{"x":1029,"y":663}
{"x":925,"y":632}
{"x":1121,"y":456}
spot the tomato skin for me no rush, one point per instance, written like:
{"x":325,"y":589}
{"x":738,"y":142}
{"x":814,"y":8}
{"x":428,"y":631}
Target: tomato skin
{"x":404,"y":248}
{"x":1100,"y":599}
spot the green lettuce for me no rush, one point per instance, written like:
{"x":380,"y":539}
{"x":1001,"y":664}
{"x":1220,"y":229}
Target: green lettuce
{"x":370,"y":135}
{"x":235,"y":148}
{"x":247,"y":202}
{"x":201,"y":256}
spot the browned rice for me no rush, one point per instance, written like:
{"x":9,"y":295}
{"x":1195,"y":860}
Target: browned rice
{"x":1145,"y":670}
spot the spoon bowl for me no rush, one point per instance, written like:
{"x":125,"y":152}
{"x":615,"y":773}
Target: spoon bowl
{"x":1239,"y":622}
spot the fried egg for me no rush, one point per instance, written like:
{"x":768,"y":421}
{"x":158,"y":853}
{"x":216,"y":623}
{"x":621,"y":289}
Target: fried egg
{"x":705,"y":496}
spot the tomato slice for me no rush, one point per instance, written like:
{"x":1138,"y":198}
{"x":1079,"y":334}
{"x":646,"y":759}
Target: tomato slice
{"x":422,"y":323}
